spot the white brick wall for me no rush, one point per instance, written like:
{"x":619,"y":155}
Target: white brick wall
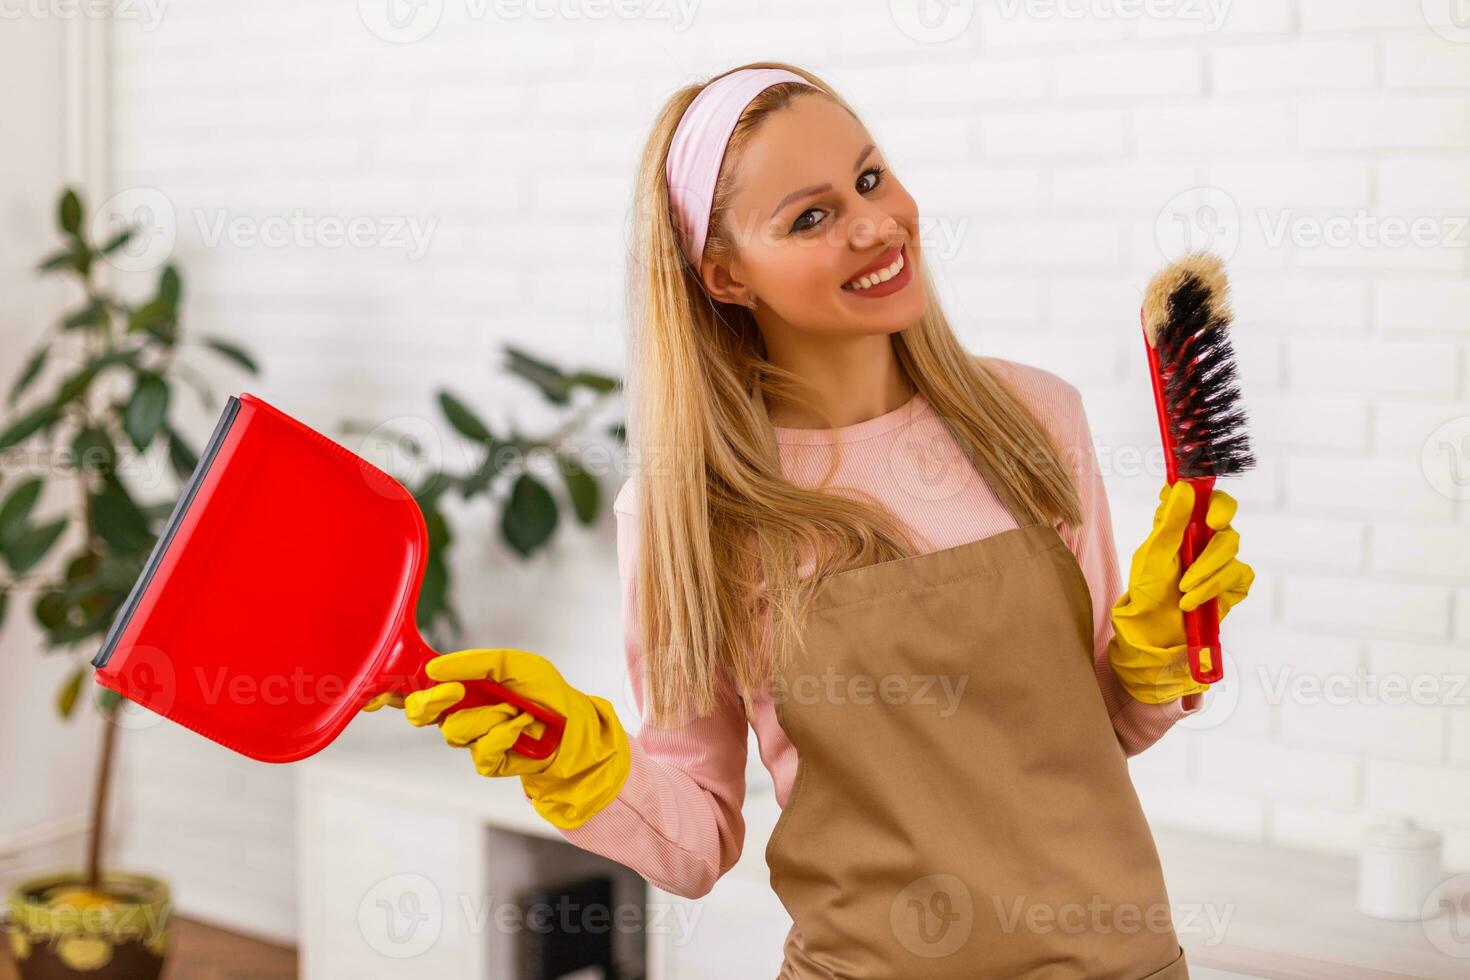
{"x":1061,"y":141}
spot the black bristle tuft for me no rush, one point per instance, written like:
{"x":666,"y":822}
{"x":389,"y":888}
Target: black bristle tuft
{"x":1197,"y":364}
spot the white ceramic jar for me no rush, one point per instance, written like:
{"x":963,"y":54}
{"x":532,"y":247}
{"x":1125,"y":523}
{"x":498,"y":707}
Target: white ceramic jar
{"x":1398,"y":868}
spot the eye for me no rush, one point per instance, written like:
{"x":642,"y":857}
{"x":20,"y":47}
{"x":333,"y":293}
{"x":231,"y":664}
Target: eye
{"x":877,"y":174}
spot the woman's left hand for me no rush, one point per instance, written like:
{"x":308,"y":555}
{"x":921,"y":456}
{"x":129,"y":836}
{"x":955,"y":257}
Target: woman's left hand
{"x":1148,"y":651}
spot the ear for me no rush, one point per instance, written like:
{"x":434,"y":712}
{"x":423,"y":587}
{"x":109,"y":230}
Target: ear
{"x":722,"y":284}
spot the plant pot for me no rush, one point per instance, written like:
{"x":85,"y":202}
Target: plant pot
{"x":56,"y":928}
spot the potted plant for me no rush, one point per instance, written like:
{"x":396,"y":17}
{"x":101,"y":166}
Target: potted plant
{"x":106,"y":412}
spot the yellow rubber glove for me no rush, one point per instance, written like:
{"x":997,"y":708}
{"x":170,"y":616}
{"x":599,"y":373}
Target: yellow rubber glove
{"x":591,"y":762}
{"x":1148,"y":650}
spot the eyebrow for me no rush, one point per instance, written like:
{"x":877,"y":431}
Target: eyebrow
{"x":818,"y":188}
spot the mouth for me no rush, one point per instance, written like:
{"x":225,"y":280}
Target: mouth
{"x":890,"y":273}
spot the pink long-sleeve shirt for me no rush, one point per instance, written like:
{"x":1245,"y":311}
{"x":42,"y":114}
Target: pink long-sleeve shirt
{"x":677,"y":820}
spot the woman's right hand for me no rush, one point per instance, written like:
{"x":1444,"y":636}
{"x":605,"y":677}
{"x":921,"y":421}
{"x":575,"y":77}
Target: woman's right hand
{"x":488,"y":730}
{"x":581,"y":776}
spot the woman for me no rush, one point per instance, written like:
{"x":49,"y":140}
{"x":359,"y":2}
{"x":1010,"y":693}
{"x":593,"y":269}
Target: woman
{"x":891,"y":558}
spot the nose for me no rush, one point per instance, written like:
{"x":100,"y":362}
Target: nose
{"x":870,"y":226}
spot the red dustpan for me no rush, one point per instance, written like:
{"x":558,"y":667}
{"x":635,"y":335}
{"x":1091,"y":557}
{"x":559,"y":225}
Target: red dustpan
{"x":280,"y":597}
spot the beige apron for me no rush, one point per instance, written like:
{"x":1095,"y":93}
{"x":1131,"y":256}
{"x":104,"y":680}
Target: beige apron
{"x":987,"y":828}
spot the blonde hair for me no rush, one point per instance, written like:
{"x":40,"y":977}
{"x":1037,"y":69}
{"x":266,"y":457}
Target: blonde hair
{"x":722,"y":531}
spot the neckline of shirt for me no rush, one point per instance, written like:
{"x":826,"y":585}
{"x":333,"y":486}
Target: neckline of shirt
{"x":866,"y":429}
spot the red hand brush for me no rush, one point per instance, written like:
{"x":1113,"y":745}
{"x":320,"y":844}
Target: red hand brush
{"x":1185,"y":319}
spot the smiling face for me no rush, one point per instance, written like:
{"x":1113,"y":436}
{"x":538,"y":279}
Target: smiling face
{"x":815,"y":208}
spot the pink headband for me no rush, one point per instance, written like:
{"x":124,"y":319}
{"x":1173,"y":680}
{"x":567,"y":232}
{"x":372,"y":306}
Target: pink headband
{"x":699,"y":147}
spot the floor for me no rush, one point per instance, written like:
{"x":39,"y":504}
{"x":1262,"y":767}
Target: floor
{"x":203,"y":952}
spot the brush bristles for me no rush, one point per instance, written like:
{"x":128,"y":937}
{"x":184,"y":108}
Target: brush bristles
{"x":1187,"y":314}
{"x":1203,"y":266}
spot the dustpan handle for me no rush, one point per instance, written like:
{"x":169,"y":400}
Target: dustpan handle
{"x":486,"y":692}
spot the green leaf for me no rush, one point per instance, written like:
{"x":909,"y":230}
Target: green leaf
{"x":553,"y":383}
{"x":29,"y":373}
{"x":530,"y":515}
{"x":107,"y":699}
{"x":581,"y":486}
{"x":32,"y":544}
{"x":66,"y":698}
{"x":495,"y":459}
{"x":50,"y":610}
{"x":76,"y":386}
{"x":81,"y":567}
{"x":159,"y":511}
{"x":233,"y":352}
{"x":464,"y":420}
{"x":16,"y":511}
{"x":58,"y":260}
{"x":69,"y":214}
{"x":94,"y":451}
{"x":61,"y":610}
{"x":92,"y":626}
{"x":183,"y":459}
{"x":118,"y":520}
{"x":29,"y":423}
{"x":438,"y":527}
{"x":144,"y":414}
{"x":84,"y":600}
{"x":433,"y":487}
{"x":119,"y":240}
{"x":94,"y":314}
{"x":600,"y":383}
{"x":157,"y":319}
{"x":169,"y":286}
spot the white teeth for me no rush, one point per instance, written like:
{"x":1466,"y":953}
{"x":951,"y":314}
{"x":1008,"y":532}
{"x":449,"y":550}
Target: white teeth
{"x":873,"y":278}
